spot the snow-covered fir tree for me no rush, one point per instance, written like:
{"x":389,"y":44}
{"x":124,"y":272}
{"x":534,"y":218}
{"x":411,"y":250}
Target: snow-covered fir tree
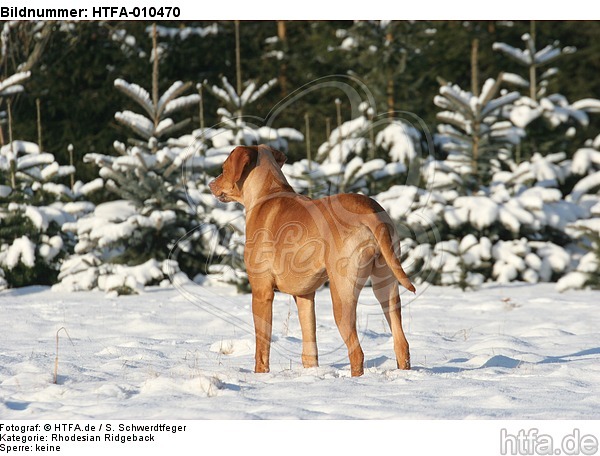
{"x":126,"y":243}
{"x":34,"y":203}
{"x":9,"y":87}
{"x":34,"y":206}
{"x":380,"y":51}
{"x":236,"y":127}
{"x":165,"y":219}
{"x":224,"y":224}
{"x":533,"y":60}
{"x":473,"y":132}
{"x":554,"y":109}
{"x":346,"y":161}
{"x":533,"y":220}
{"x":585,"y":232}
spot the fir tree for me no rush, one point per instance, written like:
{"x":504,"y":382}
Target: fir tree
{"x":8,"y":88}
{"x":474,"y":131}
{"x":557,"y":114}
{"x":223,"y":226}
{"x":236,"y":127}
{"x":126,"y":243}
{"x":382,"y":51}
{"x":34,"y":207}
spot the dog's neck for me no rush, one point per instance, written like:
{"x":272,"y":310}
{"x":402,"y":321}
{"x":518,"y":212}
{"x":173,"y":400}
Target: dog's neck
{"x":264,"y":181}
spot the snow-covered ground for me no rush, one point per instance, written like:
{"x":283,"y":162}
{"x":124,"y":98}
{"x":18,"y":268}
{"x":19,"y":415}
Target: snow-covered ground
{"x":516,"y":351}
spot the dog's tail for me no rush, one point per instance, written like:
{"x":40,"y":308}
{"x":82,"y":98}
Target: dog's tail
{"x":382,"y":229}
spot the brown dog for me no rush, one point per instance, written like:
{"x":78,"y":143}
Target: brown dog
{"x":295,"y":244}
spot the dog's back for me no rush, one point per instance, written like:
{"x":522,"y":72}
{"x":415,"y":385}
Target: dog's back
{"x":309,"y":238}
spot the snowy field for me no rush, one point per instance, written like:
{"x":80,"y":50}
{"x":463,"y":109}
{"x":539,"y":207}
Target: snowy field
{"x":504,"y":352}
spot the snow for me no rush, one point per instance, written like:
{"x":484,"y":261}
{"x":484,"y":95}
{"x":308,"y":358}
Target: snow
{"x":78,"y":273}
{"x":133,"y":277}
{"x":573,"y":280}
{"x":508,"y":219}
{"x":181,"y":103}
{"x":482,"y":211}
{"x":11,"y":84}
{"x":232,"y":95}
{"x":523,"y":115}
{"x":42,"y":216}
{"x":20,"y":147}
{"x":5,"y":190}
{"x":349,"y":128}
{"x":401,"y":140}
{"x":505,"y":352}
{"x":523,"y":57}
{"x":515,"y":79}
{"x":587,"y":104}
{"x":115,"y":210}
{"x":176,"y":88}
{"x":546,"y":54}
{"x":163,"y":126}
{"x":348,"y":44}
{"x":185,"y":32}
{"x":585,"y":185}
{"x":51,"y":247}
{"x":22,"y":250}
{"x":137,"y":122}
{"x":89,"y":187}
{"x":136,"y":92}
{"x":262,"y":90}
{"x":108,"y":223}
{"x":497,"y":103}
{"x":30,"y":161}
{"x":583,"y":160}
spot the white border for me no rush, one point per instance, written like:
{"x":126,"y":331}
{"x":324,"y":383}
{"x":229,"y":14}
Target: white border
{"x":349,"y":9}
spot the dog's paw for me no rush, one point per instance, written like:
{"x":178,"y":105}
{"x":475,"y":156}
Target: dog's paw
{"x":405,"y":365}
{"x":261,"y":369}
{"x":357,"y":372}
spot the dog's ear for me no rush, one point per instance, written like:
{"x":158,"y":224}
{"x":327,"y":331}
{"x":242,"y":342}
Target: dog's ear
{"x":279,"y":156}
{"x":241,"y":158}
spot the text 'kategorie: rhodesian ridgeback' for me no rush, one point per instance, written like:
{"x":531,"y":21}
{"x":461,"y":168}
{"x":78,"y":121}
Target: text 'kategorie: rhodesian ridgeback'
{"x":295,"y":244}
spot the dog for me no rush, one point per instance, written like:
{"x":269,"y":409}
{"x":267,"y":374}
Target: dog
{"x":295,"y":244}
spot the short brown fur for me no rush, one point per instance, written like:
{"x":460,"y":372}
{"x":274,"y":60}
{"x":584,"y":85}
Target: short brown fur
{"x":295,"y":244}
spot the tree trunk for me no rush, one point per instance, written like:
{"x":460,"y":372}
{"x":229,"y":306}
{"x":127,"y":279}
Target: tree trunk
{"x":532,"y":83}
{"x":39,"y":123}
{"x":475,"y":157}
{"x":238,"y":60}
{"x":282,"y":35}
{"x":390,"y":96}
{"x":390,"y":82}
{"x":532,"y":72}
{"x":13,"y":162}
{"x":38,"y":50}
{"x":155,"y":74}
{"x":475,"y":67}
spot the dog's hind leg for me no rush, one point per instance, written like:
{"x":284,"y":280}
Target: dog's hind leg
{"x":344,"y":313}
{"x":345,"y":286}
{"x":385,"y":287}
{"x":306,"y":315}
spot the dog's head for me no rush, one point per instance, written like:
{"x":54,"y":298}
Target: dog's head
{"x":242,"y":160}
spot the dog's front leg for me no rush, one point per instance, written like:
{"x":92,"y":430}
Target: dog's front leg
{"x":262,"y":311}
{"x":306,"y":315}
